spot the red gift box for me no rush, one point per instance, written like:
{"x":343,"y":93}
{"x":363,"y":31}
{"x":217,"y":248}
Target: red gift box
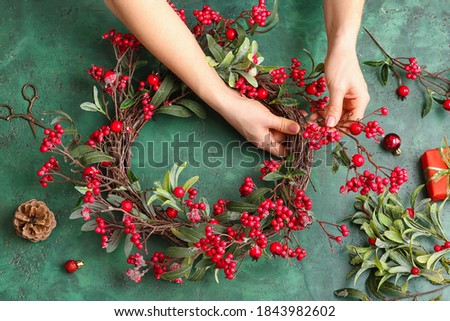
{"x":436,"y":166}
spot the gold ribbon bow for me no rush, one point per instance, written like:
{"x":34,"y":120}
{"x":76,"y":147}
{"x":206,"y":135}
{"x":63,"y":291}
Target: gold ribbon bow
{"x":442,"y":172}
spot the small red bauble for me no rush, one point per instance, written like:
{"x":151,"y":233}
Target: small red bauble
{"x":262,"y":93}
{"x":127,"y":206}
{"x":72,"y":265}
{"x":153,"y":80}
{"x":403,"y":91}
{"x":358,"y":160}
{"x":437,"y":248}
{"x":447,"y":244}
{"x":415,"y":271}
{"x":171,"y":212}
{"x":276,"y":248}
{"x":178,"y":192}
{"x":255,"y":252}
{"x":392,"y":143}
{"x":372,"y":241}
{"x":231,"y":34}
{"x":116,"y":126}
{"x":446,"y":104}
{"x":355,"y":129}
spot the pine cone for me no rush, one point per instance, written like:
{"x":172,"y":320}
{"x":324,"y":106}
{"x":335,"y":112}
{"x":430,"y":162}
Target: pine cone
{"x":34,"y":221}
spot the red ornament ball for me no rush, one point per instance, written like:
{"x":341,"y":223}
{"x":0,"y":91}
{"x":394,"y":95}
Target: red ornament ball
{"x":446,"y":104}
{"x":415,"y":271}
{"x":127,"y":206}
{"x":171,"y":212}
{"x":72,"y":265}
{"x":231,"y":34}
{"x":358,"y":160}
{"x":116,"y":126}
{"x":178,"y":192}
{"x":392,"y":143}
{"x":355,"y":129}
{"x":403,"y":91}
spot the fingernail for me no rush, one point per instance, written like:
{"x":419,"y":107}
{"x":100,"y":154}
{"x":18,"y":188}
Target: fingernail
{"x":293,"y":128}
{"x":331,"y":121}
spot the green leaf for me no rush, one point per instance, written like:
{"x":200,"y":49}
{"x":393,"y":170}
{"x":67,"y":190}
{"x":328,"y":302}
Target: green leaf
{"x":114,"y":242}
{"x":372,"y":63}
{"x":428,"y":104}
{"x":232,"y":78}
{"x":319,"y":68}
{"x":433,"y":276}
{"x":274,"y":176}
{"x":367,"y":228}
{"x":181,"y":252}
{"x":351,"y":293}
{"x":164,"y":90}
{"x":415,"y":194}
{"x":384,"y":74}
{"x":386,"y":221}
{"x":58,"y":112}
{"x":228,"y":216}
{"x":250,"y":79}
{"x":166,"y":182}
{"x":175,"y":274}
{"x":241,"y":35}
{"x":128,"y":245}
{"x":204,"y":263}
{"x":194,"y":107}
{"x":79,"y":151}
{"x":227,"y":60}
{"x":214,"y":48}
{"x":88,"y":106}
{"x":197,"y":275}
{"x":241,"y":207}
{"x":434,"y":258}
{"x":89,"y":226}
{"x":190,"y":182}
{"x":394,"y":236}
{"x":127,"y":103}
{"x":187,"y":234}
{"x":287,"y":102}
{"x":82,"y":189}
{"x":257,"y":195}
{"x":75,"y":214}
{"x":96,"y":100}
{"x":211,"y":62}
{"x":242,"y":51}
{"x":93,"y":157}
{"x":175,"y":110}
{"x":438,"y":100}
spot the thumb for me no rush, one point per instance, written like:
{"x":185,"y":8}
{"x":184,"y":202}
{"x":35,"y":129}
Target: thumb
{"x":285,"y":125}
{"x":334,"y":109}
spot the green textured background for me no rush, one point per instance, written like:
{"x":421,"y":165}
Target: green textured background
{"x":52,"y":43}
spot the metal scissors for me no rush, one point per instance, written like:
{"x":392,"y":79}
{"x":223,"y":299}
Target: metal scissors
{"x":29,"y":117}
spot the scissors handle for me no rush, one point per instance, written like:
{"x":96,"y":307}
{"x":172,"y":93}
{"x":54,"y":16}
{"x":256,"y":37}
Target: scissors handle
{"x":31,"y":98}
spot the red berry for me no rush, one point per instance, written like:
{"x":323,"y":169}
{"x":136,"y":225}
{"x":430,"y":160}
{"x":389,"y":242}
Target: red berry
{"x":446,"y":104}
{"x":403,"y":91}
{"x":72,"y":265}
{"x":311,"y":89}
{"x":116,"y":126}
{"x":410,"y":212}
{"x":276,"y":248}
{"x":127,"y":206}
{"x":447,"y":244}
{"x":358,"y":160}
{"x":255,"y":252}
{"x":372,"y":241}
{"x":171,"y":212}
{"x":355,"y":129}
{"x":415,"y":271}
{"x":231,"y":34}
{"x":153,"y":80}
{"x":178,"y":192}
{"x":109,"y":77}
{"x":338,"y":239}
{"x":437,"y":248}
{"x":262,"y":93}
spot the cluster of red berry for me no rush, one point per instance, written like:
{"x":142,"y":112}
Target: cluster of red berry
{"x":413,"y":68}
{"x":44,"y":171}
{"x":130,"y":228}
{"x":245,"y":88}
{"x":279,"y":76}
{"x":247,"y":187}
{"x":90,"y":175}
{"x":53,"y":138}
{"x":372,"y":129}
{"x":319,"y":136}
{"x":147,"y":107}
{"x":317,"y":87}
{"x":122,"y":42}
{"x":270,"y":165}
{"x":154,"y":81}
{"x":319,"y":104}
{"x":438,"y":248}
{"x":259,"y":14}
{"x":214,"y":247}
{"x":219,"y":207}
{"x":159,"y":264}
{"x":207,"y":16}
{"x":98,"y":136}
{"x":297,"y":75}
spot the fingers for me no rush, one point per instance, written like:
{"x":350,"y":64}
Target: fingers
{"x":284,"y":125}
{"x":278,"y":137}
{"x":334,"y":110}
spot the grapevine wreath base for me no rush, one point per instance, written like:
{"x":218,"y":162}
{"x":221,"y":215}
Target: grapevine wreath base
{"x":267,"y":221}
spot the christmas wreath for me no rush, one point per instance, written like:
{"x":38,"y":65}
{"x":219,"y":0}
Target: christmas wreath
{"x":220,"y":235}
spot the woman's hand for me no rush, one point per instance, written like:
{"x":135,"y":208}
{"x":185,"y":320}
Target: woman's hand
{"x":257,"y":124}
{"x":348,"y":90}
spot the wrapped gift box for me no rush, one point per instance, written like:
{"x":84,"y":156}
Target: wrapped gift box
{"x":436,"y":163}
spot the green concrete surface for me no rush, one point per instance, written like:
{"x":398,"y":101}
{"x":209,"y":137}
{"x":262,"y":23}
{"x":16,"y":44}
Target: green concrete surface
{"x":52,"y":43}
